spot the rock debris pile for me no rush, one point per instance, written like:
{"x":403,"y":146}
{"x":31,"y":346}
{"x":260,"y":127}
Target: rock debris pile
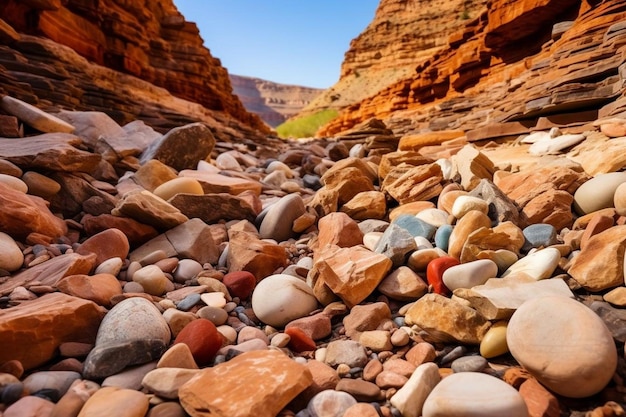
{"x":148,"y":274}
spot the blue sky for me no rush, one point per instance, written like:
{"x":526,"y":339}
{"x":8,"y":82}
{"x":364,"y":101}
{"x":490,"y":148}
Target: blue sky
{"x":299,"y":42}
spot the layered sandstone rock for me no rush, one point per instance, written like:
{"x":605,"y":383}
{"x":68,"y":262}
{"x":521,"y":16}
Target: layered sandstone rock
{"x":536,"y":63}
{"x":402,"y":35}
{"x":149,"y":41}
{"x":272,"y":102}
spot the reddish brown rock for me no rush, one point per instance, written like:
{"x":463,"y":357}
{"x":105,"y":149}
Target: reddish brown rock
{"x":280,"y":378}
{"x":33,"y":331}
{"x":540,"y":402}
{"x":203,"y":340}
{"x":340,"y":230}
{"x":246,"y":252}
{"x":98,"y":288}
{"x":111,"y":243}
{"x":137,"y":233}
{"x":23,"y":214}
{"x":407,"y":183}
{"x":366,"y":205}
{"x":51,"y":271}
{"x":240,"y":283}
{"x":300,"y":341}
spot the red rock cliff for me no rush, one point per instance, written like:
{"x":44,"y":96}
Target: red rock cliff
{"x":518,"y":61}
{"x":147,"y":39}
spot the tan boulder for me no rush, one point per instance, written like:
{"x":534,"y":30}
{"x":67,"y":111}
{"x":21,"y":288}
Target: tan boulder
{"x":23,"y":214}
{"x":213,"y":183}
{"x":446,"y":320}
{"x":154,"y":173}
{"x":147,"y":208}
{"x":277,"y":377}
{"x":340,"y":230}
{"x":407,"y":183}
{"x":600,"y":264}
{"x":246,"y":252}
{"x":33,"y":331}
{"x":352,"y":274}
{"x":472,"y":165}
{"x":468,"y":224}
{"x":366,"y":205}
{"x":480,"y":242}
{"x":393,"y":159}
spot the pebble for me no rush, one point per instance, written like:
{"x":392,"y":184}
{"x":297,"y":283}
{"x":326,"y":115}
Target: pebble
{"x":469,"y":274}
{"x":214,"y":299}
{"x":11,"y":256}
{"x":469,"y":364}
{"x":415,"y":226}
{"x":216,"y":315}
{"x":177,"y":319}
{"x":188,"y":302}
{"x":494,"y":342}
{"x":570,"y":338}
{"x":59,"y":381}
{"x":538,"y":265}
{"x":598,"y":192}
{"x":113,"y":401}
{"x":186,"y":270}
{"x":434,"y":217}
{"x":240,"y":283}
{"x":330,"y":403}
{"x":403,"y":284}
{"x":435,"y":270}
{"x":29,"y":406}
{"x":178,"y":185}
{"x":177,"y":356}
{"x":278,"y":221}
{"x":361,"y":390}
{"x":279,"y":299}
{"x":203,"y":340}
{"x":346,"y":352}
{"x":152,"y":279}
{"x":111,"y":266}
{"x":442,"y":236}
{"x":539,"y":235}
{"x":463,"y":204}
{"x":409,"y":399}
{"x":469,"y":394}
{"x":396,"y":243}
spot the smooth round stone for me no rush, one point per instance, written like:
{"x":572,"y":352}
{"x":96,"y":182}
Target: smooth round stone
{"x":214,"y":299}
{"x":132,"y":287}
{"x":186,"y":270}
{"x":14,"y":183}
{"x":563,"y":344}
{"x":240,"y":283}
{"x":494,"y":341}
{"x":280,"y":340}
{"x":110,"y":243}
{"x":442,"y":236}
{"x":275,"y":179}
{"x":40,"y":185}
{"x":277,"y":223}
{"x":217,"y":316}
{"x":419,"y":260}
{"x":539,"y":235}
{"x":152,"y":279}
{"x":228,"y":333}
{"x":598,"y":192}
{"x":470,"y":274}
{"x":435,"y":270}
{"x":466,"y":203}
{"x":133,"y":319}
{"x":504,"y":259}
{"x":279,"y":299}
{"x":177,"y":319}
{"x":474,"y":394}
{"x":227,"y":162}
{"x":279,"y":166}
{"x":203,"y":340}
{"x":330,"y":403}
{"x":188,"y":302}
{"x":167,"y":409}
{"x":11,"y":256}
{"x":111,"y":266}
{"x":619,"y":199}
{"x":469,"y":364}
{"x":422,"y":243}
{"x":370,"y":239}
{"x":56,"y":380}
{"x":538,"y":265}
{"x":178,"y":185}
{"x":433,"y":216}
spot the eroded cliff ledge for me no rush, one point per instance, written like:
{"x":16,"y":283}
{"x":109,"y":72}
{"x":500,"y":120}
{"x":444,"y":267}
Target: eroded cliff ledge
{"x":517,"y":62}
{"x":140,"y":58}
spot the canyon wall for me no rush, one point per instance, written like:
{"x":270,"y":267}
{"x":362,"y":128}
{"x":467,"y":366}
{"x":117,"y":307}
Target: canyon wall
{"x":134,"y":43}
{"x":518,"y":62}
{"x":403,"y":34}
{"x":272,"y":102}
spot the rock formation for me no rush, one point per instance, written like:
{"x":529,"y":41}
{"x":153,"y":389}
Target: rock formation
{"x":524,"y":64}
{"x":272,"y":102}
{"x":140,"y":58}
{"x":402,"y":35}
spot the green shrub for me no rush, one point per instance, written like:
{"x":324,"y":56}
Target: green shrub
{"x":306,"y":126}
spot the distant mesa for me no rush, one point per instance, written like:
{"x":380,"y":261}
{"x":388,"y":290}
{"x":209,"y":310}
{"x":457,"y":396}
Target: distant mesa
{"x":272,"y":102}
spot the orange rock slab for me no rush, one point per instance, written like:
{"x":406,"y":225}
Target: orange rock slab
{"x":32,"y":331}
{"x":275,"y":380}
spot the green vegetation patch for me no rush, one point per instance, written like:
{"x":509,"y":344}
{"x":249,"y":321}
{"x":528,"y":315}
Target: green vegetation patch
{"x":306,"y":126}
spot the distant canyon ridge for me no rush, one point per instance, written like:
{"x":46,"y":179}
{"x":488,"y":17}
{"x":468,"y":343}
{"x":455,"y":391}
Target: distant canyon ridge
{"x":273,"y":102}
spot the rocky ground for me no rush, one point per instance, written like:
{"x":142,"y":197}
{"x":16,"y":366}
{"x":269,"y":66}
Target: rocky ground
{"x":170,"y":275}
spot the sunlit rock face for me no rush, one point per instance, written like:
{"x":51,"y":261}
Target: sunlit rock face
{"x":80,"y":55}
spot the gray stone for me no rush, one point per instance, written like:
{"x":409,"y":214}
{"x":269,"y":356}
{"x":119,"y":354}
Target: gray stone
{"x":347,"y":352}
{"x":108,"y":359}
{"x":416,"y":227}
{"x":182,"y":147}
{"x":330,"y":403}
{"x":501,"y":207}
{"x":396,"y":243}
{"x":278,"y":221}
{"x":539,"y":235}
{"x":469,"y":364}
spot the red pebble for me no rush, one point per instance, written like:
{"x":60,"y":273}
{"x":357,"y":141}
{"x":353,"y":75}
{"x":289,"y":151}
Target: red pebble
{"x":435,"y":270}
{"x":203,"y":340}
{"x":300,"y":341}
{"x":240,"y":283}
